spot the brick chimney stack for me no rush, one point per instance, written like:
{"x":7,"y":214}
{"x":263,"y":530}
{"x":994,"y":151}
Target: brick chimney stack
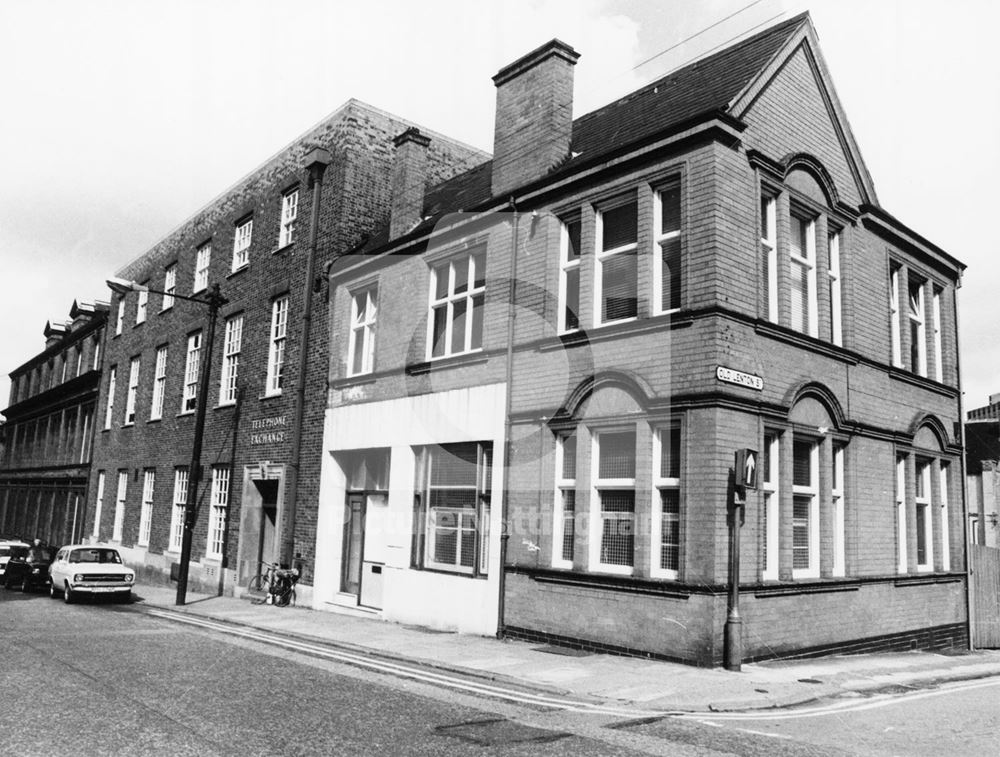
{"x":534,"y":116}
{"x":409,"y":180}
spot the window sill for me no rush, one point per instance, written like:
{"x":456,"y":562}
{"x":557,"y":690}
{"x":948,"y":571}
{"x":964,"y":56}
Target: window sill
{"x":270,"y":396}
{"x":235,"y":271}
{"x":450,"y":361}
{"x":445,"y":571}
{"x":128,"y":425}
{"x":164,"y":311}
{"x":580,"y":337}
{"x":137,"y":324}
{"x":223,"y":405}
{"x":185,"y":412}
{"x":613,"y":570}
{"x":359,"y":380}
{"x":155,"y":420}
{"x":282,"y":248}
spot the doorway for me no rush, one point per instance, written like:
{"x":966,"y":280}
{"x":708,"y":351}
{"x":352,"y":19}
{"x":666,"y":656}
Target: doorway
{"x":363,"y":554}
{"x":267,"y":543}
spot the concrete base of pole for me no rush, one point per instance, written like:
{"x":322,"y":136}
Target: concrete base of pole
{"x":734,"y":644}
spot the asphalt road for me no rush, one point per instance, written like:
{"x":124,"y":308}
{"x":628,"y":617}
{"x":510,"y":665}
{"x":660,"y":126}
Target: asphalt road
{"x":103,"y":679}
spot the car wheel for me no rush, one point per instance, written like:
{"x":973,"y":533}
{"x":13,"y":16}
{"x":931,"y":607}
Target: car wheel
{"x":52,"y":591}
{"x":67,"y":594}
{"x":24,"y":585}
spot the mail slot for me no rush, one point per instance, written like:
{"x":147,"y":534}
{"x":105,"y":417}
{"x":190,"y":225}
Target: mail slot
{"x":377,"y":569}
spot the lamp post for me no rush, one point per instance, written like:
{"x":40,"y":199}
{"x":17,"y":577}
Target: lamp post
{"x":213,"y":301}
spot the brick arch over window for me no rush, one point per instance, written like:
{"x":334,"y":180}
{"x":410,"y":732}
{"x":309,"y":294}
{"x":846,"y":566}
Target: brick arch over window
{"x":804,"y":163}
{"x":805,"y":401}
{"x":637,"y":390}
{"x":929,"y":433}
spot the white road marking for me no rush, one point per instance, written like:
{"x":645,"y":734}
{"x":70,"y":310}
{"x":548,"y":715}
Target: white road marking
{"x":406,"y":671}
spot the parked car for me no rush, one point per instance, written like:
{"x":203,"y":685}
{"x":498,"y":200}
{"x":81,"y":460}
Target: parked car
{"x":5,"y":548}
{"x":28,"y":567}
{"x":90,"y":569}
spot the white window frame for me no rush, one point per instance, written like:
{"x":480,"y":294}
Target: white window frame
{"x":596,"y":506}
{"x":659,"y":239}
{"x":141,"y":306}
{"x":568,"y":264}
{"x":242,"y":237}
{"x":98,"y":505}
{"x":452,"y":298}
{"x":936,"y":315}
{"x":202,"y":265}
{"x":177,"y":510}
{"x":146,"y":513}
{"x":133,"y":390}
{"x":917,"y":316}
{"x":216,"y":541}
{"x":169,"y":286}
{"x":769,"y":250}
{"x":806,"y":261}
{"x":480,"y":515}
{"x":363,"y":320}
{"x":120,"y":320}
{"x":772,"y":507}
{"x":96,"y":362}
{"x":112,"y":388}
{"x":838,"y":501}
{"x":922,"y":500}
{"x":663,"y":483}
{"x":159,"y":384}
{"x":192,"y":365}
{"x":564,"y":485}
{"x":901,"y":547}
{"x":79,"y":358}
{"x":289,"y":215}
{"x":232,"y":344}
{"x":276,"y":350}
{"x":812,"y":491}
{"x":894,"y":316}
{"x":943,"y":473}
{"x":836,"y":304}
{"x":119,"y":524}
{"x":602,"y":256}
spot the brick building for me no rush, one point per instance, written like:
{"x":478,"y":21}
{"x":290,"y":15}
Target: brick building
{"x":253,"y":241}
{"x":46,"y":442}
{"x":982,"y":470}
{"x":576,"y":336}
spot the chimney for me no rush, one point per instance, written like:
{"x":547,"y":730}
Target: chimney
{"x":409,"y":178}
{"x":534,"y":118}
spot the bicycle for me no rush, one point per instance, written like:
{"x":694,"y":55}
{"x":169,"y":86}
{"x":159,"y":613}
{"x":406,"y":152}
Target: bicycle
{"x":275,"y":585}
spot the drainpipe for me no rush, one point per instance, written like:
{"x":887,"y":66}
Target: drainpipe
{"x":316,"y":161}
{"x":507,"y":445}
{"x":970,"y":605}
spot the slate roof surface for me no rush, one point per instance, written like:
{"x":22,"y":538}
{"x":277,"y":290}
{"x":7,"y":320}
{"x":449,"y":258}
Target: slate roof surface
{"x":703,"y":87}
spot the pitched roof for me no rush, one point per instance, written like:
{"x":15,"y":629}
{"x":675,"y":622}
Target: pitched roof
{"x":699,"y":89}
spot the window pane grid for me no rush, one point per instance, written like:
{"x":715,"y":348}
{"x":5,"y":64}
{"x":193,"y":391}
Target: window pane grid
{"x":231,"y":359}
{"x":241,"y":244}
{"x":569,"y":278}
{"x":133,"y":388}
{"x":217,"y":521}
{"x":159,"y":384}
{"x":169,"y":287}
{"x":191,"y":367}
{"x":202,"y":263}
{"x":565,"y":508}
{"x":276,"y":354}
{"x":177,"y":513}
{"x":146,"y":515}
{"x":458,"y":297}
{"x":289,"y":214}
{"x":457,"y":501}
{"x":364,"y":306}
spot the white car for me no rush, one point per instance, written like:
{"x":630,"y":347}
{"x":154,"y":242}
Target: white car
{"x":5,"y":545}
{"x":90,"y":569}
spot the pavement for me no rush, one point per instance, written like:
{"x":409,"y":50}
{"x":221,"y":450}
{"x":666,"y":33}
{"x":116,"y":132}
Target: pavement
{"x":645,"y":685}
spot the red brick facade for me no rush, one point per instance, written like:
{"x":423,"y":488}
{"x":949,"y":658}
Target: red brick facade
{"x":768,"y":326}
{"x":250,"y":438}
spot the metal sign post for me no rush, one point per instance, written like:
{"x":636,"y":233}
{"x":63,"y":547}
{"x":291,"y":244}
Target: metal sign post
{"x":744,"y":477}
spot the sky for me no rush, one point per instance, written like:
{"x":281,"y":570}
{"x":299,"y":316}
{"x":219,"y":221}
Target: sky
{"x":121,"y":118}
